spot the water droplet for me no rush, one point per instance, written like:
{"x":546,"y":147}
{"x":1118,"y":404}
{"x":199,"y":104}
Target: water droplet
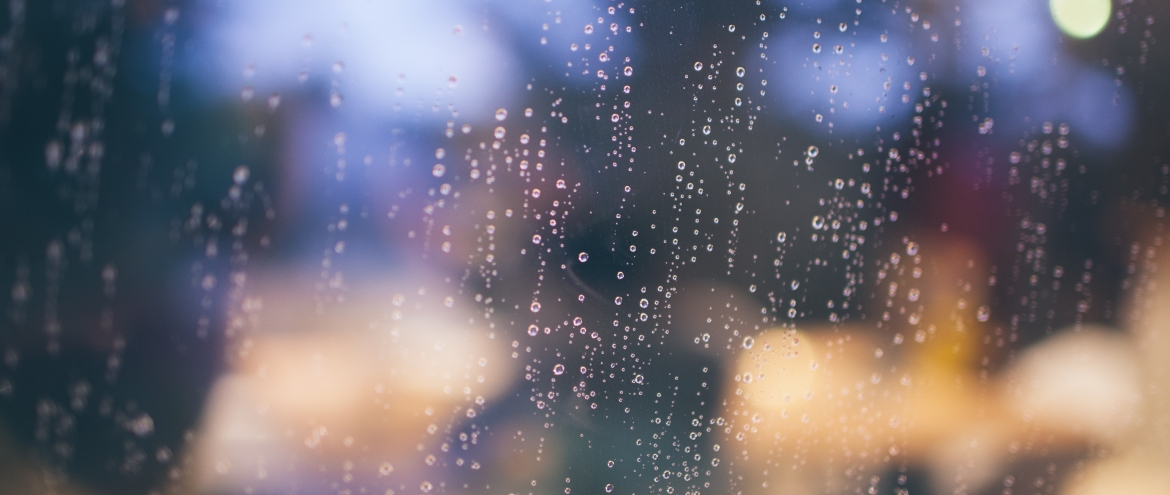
{"x":588,"y":29}
{"x":499,"y":133}
{"x":628,"y":71}
{"x":781,"y":237}
{"x":740,"y":72}
{"x":536,"y":239}
{"x":615,"y":117}
{"x":983,"y":313}
{"x":912,"y":248}
{"x":818,"y":222}
{"x":813,"y":151}
{"x":731,"y":158}
{"x":748,"y":342}
{"x":731,"y":28}
{"x":609,"y":486}
{"x":617,"y":300}
{"x":559,"y":369}
{"x":816,"y":48}
{"x":638,"y":379}
{"x":240,"y":175}
{"x":535,"y":307}
{"x":682,"y":165}
{"x":533,"y":330}
{"x":706,"y":131}
{"x":583,"y":257}
{"x":621,"y":275}
{"x":644,"y":303}
{"x":698,"y":66}
{"x":603,"y":57}
{"x":438,"y":170}
{"x":501,"y":114}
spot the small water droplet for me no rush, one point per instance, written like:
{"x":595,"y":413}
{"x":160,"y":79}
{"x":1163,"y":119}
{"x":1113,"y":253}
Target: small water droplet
{"x":559,"y":369}
{"x":583,"y":257}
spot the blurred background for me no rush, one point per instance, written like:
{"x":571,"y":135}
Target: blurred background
{"x":580,"y":246}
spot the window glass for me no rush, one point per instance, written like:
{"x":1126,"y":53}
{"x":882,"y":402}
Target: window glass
{"x":584,"y":246}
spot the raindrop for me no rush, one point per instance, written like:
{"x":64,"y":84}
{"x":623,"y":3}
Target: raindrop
{"x":682,"y":165}
{"x":582,"y":257}
{"x":706,"y":131}
{"x":240,"y":175}
{"x":698,"y":66}
{"x":535,"y":307}
{"x":731,"y":28}
{"x":740,"y":72}
{"x":617,"y":300}
{"x":813,"y":151}
{"x":536,"y":239}
{"x":748,"y":342}
{"x":500,"y":132}
{"x":983,"y":313}
{"x":438,"y":170}
{"x":501,"y":114}
{"x":818,"y":222}
{"x":628,"y":71}
{"x":731,"y":158}
{"x":644,"y":303}
{"x":816,"y":48}
{"x":781,"y":237}
{"x":559,"y":369}
{"x":533,"y":330}
{"x":609,"y":486}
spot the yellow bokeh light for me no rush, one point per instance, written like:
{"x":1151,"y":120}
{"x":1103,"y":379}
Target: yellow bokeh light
{"x":1080,"y":18}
